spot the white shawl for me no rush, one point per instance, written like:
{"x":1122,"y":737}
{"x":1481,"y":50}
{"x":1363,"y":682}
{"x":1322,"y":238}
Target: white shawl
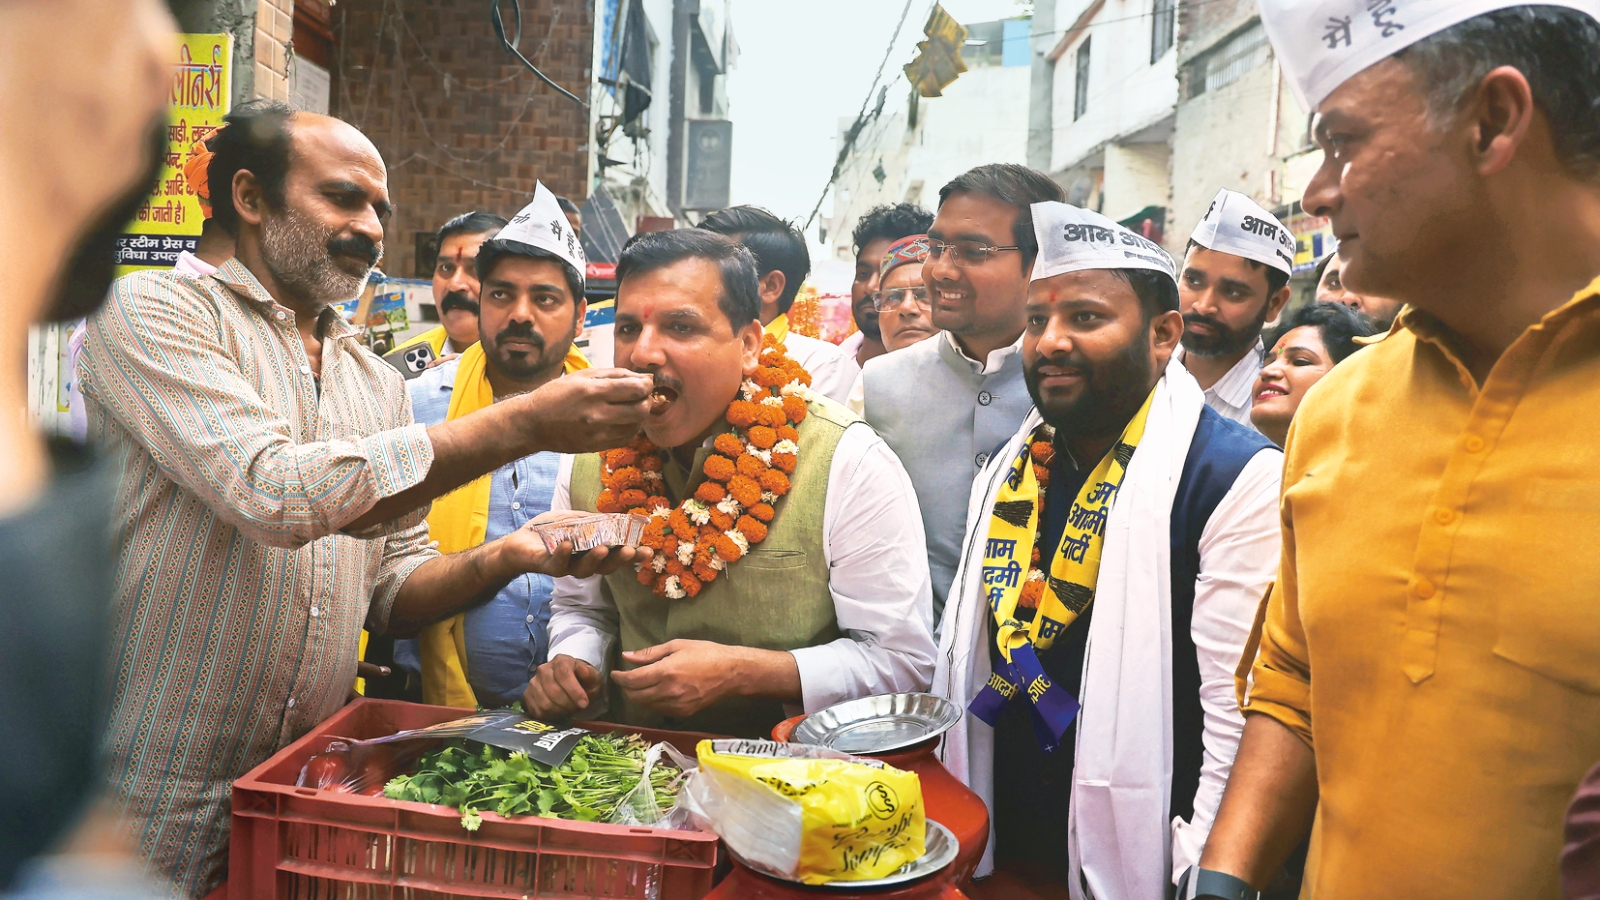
{"x":1120,"y":841}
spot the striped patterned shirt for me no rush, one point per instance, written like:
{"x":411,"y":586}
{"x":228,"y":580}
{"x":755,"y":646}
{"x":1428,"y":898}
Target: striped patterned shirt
{"x":239,"y":600}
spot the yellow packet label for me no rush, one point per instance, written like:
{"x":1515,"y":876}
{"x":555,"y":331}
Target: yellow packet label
{"x":860,"y":819}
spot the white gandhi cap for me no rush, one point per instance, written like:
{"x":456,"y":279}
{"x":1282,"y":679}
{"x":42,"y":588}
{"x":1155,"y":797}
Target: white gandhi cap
{"x":1323,"y":43}
{"x":1072,"y":239}
{"x":543,"y":224}
{"x":1237,"y":225}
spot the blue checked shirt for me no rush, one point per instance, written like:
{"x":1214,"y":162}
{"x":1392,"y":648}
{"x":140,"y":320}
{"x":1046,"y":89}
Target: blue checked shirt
{"x":507,"y":637}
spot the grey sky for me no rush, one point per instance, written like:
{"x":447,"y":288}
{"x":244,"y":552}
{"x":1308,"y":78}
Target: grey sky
{"x":802,"y":66}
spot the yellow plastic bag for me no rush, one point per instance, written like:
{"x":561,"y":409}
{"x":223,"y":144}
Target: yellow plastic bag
{"x":807,"y":813}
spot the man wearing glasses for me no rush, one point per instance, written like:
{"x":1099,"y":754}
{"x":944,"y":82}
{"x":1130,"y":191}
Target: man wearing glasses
{"x":944,"y":405}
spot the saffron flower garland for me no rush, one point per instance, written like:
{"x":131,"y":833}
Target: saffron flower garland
{"x":1043,"y":450}
{"x":746,"y":472}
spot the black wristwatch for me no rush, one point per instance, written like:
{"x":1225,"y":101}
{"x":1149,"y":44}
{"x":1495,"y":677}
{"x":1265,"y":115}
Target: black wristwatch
{"x":1198,"y":883}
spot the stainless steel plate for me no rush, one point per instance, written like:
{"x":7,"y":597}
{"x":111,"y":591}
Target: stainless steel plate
{"x":939,"y":850}
{"x":878,"y":724}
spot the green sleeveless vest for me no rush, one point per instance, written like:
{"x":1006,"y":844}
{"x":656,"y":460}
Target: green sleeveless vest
{"x":774,"y":598}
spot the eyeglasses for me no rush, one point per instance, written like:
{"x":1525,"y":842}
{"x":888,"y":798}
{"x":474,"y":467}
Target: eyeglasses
{"x":883,"y":300}
{"x":964,"y":253}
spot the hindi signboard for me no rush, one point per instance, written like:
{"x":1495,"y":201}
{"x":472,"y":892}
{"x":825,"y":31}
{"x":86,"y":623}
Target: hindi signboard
{"x":169,"y":220}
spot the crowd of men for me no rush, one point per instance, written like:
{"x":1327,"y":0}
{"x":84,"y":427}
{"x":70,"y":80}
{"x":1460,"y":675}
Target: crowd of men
{"x":1236,"y":595}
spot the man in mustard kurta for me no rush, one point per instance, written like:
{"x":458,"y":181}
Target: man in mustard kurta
{"x":1428,"y":681}
{"x":532,"y":308}
{"x":793,"y":573}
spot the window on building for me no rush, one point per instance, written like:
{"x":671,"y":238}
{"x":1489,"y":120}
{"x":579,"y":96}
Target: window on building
{"x":1229,"y":60}
{"x":1163,"y":28}
{"x":1080,"y":94}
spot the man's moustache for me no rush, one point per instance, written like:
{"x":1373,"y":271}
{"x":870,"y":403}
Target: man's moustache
{"x":458,"y":300}
{"x":359,"y":246}
{"x":523,"y":331}
{"x":1197,"y":319}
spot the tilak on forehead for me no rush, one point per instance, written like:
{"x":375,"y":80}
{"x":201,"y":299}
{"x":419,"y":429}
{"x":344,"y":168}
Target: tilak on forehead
{"x":1321,"y":44}
{"x":1072,"y":239}
{"x":542,"y":224}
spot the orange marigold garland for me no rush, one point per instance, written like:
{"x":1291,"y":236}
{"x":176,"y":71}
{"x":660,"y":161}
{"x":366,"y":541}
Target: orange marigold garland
{"x":746,"y":472}
{"x":1043,"y":451}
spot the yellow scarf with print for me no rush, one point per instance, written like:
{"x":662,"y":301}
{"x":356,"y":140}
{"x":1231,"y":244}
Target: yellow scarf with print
{"x":458,"y":522}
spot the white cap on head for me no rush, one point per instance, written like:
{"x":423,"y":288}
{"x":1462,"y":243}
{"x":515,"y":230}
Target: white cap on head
{"x":543,"y":224}
{"x":1321,"y":44}
{"x":1237,"y":225}
{"x":1072,"y":239}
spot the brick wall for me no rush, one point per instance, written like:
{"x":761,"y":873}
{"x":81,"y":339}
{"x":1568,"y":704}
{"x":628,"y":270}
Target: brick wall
{"x":274,"y":30}
{"x":461,"y":124}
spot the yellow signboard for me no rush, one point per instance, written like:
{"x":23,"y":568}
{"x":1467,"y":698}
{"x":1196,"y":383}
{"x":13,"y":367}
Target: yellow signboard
{"x":170,"y":219}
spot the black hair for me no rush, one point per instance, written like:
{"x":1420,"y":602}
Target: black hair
{"x":1276,"y":277}
{"x":1338,"y":325}
{"x":256,"y":140}
{"x":1557,"y":49}
{"x":567,"y":206}
{"x":891,"y":221}
{"x":475,"y":222}
{"x":492,"y":251}
{"x":1157,"y":292}
{"x":1322,"y":267}
{"x":776,"y":245}
{"x":740,"y":299}
{"x":1017,"y":185}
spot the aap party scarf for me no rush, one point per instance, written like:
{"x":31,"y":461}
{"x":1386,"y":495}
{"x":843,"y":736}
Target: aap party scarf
{"x":459,"y":520}
{"x":1074,"y":569}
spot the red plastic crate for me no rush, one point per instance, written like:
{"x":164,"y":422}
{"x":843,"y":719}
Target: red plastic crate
{"x":294,"y":843}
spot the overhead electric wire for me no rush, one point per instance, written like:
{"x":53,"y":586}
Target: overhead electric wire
{"x":855,"y":127}
{"x":516,"y":37}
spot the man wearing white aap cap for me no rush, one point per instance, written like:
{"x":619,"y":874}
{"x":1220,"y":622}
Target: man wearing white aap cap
{"x":1118,"y":455}
{"x":1235,"y":279}
{"x":1426,"y":686}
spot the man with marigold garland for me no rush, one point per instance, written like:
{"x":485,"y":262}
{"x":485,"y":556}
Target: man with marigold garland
{"x":1116,"y":550}
{"x":792,"y":570}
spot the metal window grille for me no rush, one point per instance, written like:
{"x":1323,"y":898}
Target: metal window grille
{"x":1080,"y":97}
{"x":1230,"y":60}
{"x":1163,"y":28}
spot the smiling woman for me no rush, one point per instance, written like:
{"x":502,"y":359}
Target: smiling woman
{"x":1310,"y":342}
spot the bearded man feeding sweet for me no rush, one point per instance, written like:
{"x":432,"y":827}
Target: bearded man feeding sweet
{"x":793,"y":570}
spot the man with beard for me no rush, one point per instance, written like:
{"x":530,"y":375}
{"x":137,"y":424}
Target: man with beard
{"x":792,"y":573}
{"x":455,"y":295}
{"x":1235,"y":280}
{"x":1426,"y":697}
{"x":784,"y":263}
{"x":531,"y":311}
{"x":1116,"y":550}
{"x":274,"y":484}
{"x":944,"y":405}
{"x":81,"y":149}
{"x":875,"y":231}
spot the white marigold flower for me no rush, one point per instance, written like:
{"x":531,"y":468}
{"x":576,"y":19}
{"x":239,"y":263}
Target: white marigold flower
{"x":789,"y":447}
{"x":697,"y":512}
{"x":1035,"y":575}
{"x":673,"y":588}
{"x":770,"y":400}
{"x":653,"y":477}
{"x":763,"y":455}
{"x":738,"y":538}
{"x":659,"y":563}
{"x":769,"y":497}
{"x":718,"y":563}
{"x":750,"y":390}
{"x":796,"y":389}
{"x":729,"y":506}
{"x":685,"y":553}
{"x":661,"y":512}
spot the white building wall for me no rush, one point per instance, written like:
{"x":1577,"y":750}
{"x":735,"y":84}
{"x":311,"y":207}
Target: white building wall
{"x":1126,"y":92}
{"x":1136,"y":176}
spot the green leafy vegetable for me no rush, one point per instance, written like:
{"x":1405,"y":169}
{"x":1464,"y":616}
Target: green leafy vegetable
{"x":602,"y":770}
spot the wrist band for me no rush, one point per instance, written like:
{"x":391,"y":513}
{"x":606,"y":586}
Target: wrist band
{"x":1200,"y":883}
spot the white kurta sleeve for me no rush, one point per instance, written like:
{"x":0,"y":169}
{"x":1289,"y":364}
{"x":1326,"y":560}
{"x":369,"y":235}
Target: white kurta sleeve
{"x":583,"y":621}
{"x":878,"y":575}
{"x":1238,"y":559}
